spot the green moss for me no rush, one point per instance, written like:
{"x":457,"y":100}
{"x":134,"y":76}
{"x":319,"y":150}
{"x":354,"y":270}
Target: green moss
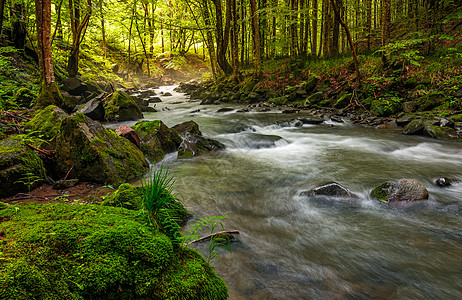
{"x":121,"y":107}
{"x":60,"y":251}
{"x":24,"y":97}
{"x":17,"y":161}
{"x":126,"y":196}
{"x":46,"y":122}
{"x":98,"y":154}
{"x":381,"y":192}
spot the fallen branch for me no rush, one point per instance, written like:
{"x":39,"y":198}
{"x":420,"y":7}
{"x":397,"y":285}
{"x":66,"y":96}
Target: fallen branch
{"x":67,"y":174}
{"x":107,"y":96}
{"x":213,"y":235}
{"x":48,"y":153}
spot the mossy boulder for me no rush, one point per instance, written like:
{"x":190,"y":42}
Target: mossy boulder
{"x":196,"y":145}
{"x":283,"y":100}
{"x":385,"y":107}
{"x":400,"y":190}
{"x":189,"y":127}
{"x":19,"y":165}
{"x":156,"y":139}
{"x":432,"y":127}
{"x":95,"y":153}
{"x":47,"y":122}
{"x":61,"y":251}
{"x":315,"y":98}
{"x":343,"y":101}
{"x":121,"y":107}
{"x":331,"y":189}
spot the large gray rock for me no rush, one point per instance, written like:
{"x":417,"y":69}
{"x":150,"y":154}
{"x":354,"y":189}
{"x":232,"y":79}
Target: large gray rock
{"x":94,"y":109}
{"x":400,"y":190}
{"x":95,"y":153}
{"x":19,"y":167}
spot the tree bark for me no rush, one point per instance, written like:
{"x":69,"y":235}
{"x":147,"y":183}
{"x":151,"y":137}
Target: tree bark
{"x":255,"y":40}
{"x":49,"y":93}
{"x":350,"y":40}
{"x":314,"y":28}
{"x":78,"y":28}
{"x":2,"y":9}
{"x":222,"y":39}
{"x":385,"y":28}
{"x":103,"y":29}
{"x":19,"y":25}
{"x":234,"y":40}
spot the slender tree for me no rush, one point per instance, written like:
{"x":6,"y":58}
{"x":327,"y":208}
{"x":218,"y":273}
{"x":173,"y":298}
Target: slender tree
{"x":386,"y":18}
{"x":49,"y":92}
{"x":78,"y":28}
{"x":255,"y":40}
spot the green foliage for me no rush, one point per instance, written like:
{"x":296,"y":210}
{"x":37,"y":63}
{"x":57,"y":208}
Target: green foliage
{"x":61,"y":251}
{"x":159,"y":202}
{"x":405,"y":50}
{"x":216,"y":241}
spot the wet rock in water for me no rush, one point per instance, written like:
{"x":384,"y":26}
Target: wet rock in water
{"x":225,"y":109}
{"x":438,"y":128}
{"x":185,"y":128}
{"x":65,"y":184}
{"x":19,"y":166}
{"x":290,"y":123}
{"x":291,"y":111}
{"x":94,"y":109}
{"x":242,"y":128}
{"x":95,"y":153}
{"x":167,"y":94}
{"x":400,"y":190}
{"x":262,"y":141}
{"x":121,"y":107}
{"x":154,"y":100}
{"x":128,"y":133}
{"x":195,"y":145}
{"x":312,"y":120}
{"x":156,"y":139}
{"x":336,"y":119}
{"x":331,"y":189}
{"x":444,"y":181}
{"x":147,"y":108}
{"x":242,"y":110}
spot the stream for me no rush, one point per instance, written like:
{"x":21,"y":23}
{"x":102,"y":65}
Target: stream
{"x":292,"y":246}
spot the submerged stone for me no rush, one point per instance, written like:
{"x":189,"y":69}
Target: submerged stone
{"x":400,"y":190}
{"x":95,"y":153}
{"x":185,"y":128}
{"x":331,"y":189}
{"x":195,"y":145}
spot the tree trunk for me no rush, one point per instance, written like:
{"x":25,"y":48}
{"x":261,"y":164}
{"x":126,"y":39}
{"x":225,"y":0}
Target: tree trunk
{"x":2,"y":9}
{"x":235,"y":39}
{"x":103,"y":30}
{"x":350,"y":40}
{"x":19,"y":32}
{"x":255,"y":40}
{"x":335,"y":32}
{"x":78,"y":28}
{"x":209,"y":36}
{"x":314,"y":28}
{"x":369,"y":24}
{"x":49,"y":92}
{"x":222,"y":40}
{"x":385,"y":28}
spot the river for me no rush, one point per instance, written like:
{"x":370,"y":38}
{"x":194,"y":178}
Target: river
{"x":296,"y":247}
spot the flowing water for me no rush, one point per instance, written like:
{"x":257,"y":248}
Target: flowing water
{"x":296,"y":247}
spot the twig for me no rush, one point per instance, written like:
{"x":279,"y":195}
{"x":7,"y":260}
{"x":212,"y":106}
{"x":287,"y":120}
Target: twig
{"x":213,"y":235}
{"x":107,"y":96}
{"x":65,"y":177}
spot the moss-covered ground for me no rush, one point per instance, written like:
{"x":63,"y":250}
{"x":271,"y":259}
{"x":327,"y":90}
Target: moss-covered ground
{"x":62,"y":251}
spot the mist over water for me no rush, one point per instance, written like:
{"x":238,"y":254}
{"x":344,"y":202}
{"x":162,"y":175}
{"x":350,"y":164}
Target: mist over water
{"x":298,"y":247}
